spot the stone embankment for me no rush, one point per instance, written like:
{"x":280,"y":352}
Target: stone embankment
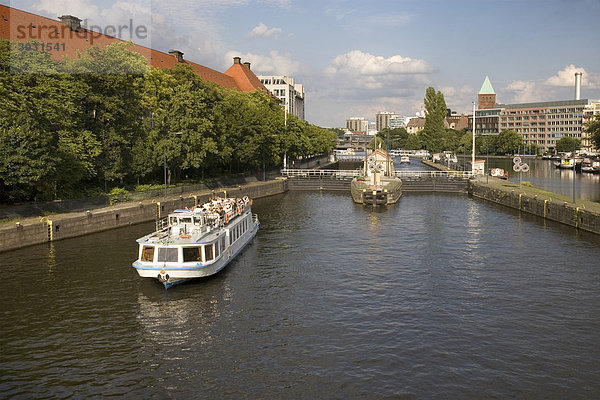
{"x":31,"y":231}
{"x":584,"y":215}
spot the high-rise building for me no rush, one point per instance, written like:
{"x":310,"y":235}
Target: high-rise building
{"x":397,"y":122}
{"x":290,"y":93}
{"x":357,"y":125}
{"x":382,"y":120}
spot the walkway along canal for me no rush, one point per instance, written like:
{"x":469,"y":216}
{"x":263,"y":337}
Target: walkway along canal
{"x":61,"y":226}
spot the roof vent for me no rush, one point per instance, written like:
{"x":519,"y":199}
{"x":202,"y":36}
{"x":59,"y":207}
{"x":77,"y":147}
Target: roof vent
{"x":177,"y":54}
{"x":247,"y":64}
{"x":72,"y":22}
{"x":237,"y":60}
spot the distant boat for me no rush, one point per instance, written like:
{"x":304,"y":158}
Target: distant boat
{"x":565,"y":163}
{"x":405,"y":160}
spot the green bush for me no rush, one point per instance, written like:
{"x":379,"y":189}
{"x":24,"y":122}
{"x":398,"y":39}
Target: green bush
{"x":143,"y":188}
{"x":118,"y":194}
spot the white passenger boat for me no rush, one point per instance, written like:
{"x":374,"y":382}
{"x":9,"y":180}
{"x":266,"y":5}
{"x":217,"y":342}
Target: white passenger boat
{"x":196,"y":243}
{"x":405,"y":160}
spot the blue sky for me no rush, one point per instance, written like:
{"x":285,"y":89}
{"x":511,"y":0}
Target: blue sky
{"x":356,"y":58}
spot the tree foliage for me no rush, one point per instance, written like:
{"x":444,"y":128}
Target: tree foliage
{"x":566,"y":144}
{"x":593,"y":129}
{"x":433,"y":133}
{"x":107,"y":118}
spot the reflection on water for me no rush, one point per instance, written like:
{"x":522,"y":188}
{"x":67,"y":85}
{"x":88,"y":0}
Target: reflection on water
{"x":439,"y":296}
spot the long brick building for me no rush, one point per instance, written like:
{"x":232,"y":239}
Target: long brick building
{"x":66,"y":37}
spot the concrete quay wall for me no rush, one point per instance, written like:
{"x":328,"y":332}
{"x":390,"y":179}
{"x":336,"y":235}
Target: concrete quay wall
{"x":575,"y":215}
{"x":63,"y":226}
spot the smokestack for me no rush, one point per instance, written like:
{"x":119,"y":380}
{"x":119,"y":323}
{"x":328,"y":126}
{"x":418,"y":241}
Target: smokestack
{"x":578,"y":85}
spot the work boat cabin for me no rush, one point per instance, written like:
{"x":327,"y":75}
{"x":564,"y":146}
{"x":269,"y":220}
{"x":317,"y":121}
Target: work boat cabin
{"x":196,"y":243}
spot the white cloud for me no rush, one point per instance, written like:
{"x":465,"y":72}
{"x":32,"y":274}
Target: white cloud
{"x":262,"y":31}
{"x":79,"y":8}
{"x":566,"y":77}
{"x":356,"y":63}
{"x":560,"y":86}
{"x":524,"y":91}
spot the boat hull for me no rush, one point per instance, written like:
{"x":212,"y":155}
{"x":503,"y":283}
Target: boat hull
{"x":389,"y":194}
{"x":170,"y":275}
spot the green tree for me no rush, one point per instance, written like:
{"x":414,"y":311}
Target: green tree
{"x":375,"y":143}
{"x":508,"y":141}
{"x":413,"y":142}
{"x":592,"y":127}
{"x":112,"y":106}
{"x":397,"y":137}
{"x":566,"y":144}
{"x":39,"y":96}
{"x":435,"y":110}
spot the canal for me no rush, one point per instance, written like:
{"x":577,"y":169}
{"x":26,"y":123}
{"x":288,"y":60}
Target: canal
{"x":439,"y":296}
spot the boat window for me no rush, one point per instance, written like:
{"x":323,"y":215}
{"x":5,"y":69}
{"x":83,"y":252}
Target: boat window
{"x":173,"y":221}
{"x":167,"y":254}
{"x":148,"y":253}
{"x":223,"y":242}
{"x":217,"y":249}
{"x":186,"y":220}
{"x":208,"y":252}
{"x":192,"y":254}
{"x":197,"y":221}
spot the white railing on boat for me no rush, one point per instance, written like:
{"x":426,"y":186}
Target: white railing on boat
{"x":334,"y":173}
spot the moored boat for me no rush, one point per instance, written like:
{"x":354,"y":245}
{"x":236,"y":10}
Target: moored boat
{"x":565,"y":163}
{"x":405,"y":160}
{"x":499,"y":173}
{"x":196,"y":243}
{"x":378,"y":184}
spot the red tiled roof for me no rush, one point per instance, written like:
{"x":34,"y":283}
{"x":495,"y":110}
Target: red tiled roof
{"x":17,"y":25}
{"x":244,"y":78}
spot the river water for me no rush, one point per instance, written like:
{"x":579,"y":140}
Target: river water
{"x":439,"y":296}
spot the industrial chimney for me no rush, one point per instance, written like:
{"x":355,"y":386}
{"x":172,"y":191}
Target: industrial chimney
{"x":578,"y":85}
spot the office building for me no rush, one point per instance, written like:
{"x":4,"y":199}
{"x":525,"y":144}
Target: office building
{"x":290,"y":93}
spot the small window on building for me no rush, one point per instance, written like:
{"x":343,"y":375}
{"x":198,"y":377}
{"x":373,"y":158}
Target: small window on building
{"x":167,"y":254}
{"x":148,"y":253}
{"x":192,"y":254}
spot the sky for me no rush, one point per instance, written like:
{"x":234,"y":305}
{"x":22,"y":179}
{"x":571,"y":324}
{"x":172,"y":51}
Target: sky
{"x":356,"y":58}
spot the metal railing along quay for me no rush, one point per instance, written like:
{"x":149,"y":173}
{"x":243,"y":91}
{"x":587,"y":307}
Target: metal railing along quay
{"x":349,"y":174}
